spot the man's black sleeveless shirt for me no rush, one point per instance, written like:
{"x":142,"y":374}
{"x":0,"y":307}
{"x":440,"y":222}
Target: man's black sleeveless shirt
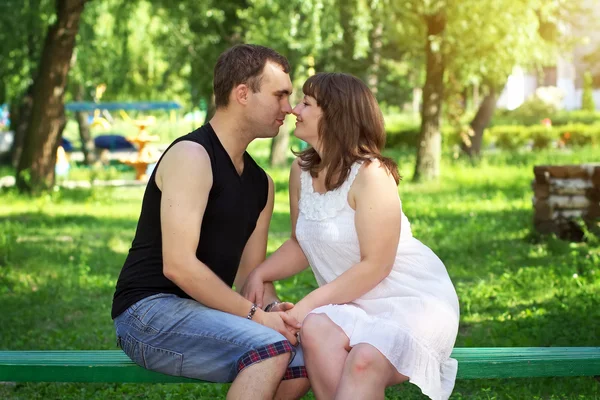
{"x":234,"y":204}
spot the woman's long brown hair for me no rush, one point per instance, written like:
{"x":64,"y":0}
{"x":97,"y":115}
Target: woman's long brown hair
{"x":351,"y":128}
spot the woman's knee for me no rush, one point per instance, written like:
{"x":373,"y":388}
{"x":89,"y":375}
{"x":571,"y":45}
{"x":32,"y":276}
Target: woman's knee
{"x":366,"y":359}
{"x":317,"y":330}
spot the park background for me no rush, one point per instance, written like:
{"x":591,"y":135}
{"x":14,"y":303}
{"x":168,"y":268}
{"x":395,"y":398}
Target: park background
{"x":475,"y":93}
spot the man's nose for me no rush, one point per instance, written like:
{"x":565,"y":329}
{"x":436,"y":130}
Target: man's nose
{"x":287,"y":108}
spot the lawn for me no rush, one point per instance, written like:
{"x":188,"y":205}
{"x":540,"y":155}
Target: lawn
{"x":60,"y":255}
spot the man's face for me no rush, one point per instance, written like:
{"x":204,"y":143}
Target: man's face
{"x":268,"y":107}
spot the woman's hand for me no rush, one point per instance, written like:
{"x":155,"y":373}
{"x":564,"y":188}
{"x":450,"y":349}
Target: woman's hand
{"x":299,"y":311}
{"x":254,"y":288}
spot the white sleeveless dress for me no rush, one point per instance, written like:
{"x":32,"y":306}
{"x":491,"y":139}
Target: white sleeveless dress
{"x":411,"y":317}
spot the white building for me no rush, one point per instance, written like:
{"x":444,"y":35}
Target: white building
{"x":566,"y":75}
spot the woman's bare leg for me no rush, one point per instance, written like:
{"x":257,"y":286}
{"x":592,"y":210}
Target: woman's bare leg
{"x":325,"y":348}
{"x":366,"y":374}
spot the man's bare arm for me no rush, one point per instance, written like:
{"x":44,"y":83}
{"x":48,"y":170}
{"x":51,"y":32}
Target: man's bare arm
{"x":255,"y":251}
{"x":185,"y":179}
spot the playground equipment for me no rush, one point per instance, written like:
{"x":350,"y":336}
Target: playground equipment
{"x":144,"y":157}
{"x":101,"y":111}
{"x":112,"y":142}
{"x":90,"y":106}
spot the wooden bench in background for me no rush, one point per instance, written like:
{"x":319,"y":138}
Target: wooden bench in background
{"x":563,"y":194}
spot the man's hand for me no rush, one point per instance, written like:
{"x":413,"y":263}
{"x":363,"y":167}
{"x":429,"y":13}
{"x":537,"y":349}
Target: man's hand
{"x":254,"y":289}
{"x":280,"y":322}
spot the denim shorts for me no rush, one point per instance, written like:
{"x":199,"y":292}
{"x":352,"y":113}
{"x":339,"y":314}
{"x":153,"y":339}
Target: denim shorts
{"x":181,"y":337}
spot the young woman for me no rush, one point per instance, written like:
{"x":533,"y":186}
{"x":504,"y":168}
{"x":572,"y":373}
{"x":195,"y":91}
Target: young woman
{"x":385,"y":311}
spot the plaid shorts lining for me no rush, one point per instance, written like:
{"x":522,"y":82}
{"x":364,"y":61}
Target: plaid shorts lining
{"x":268,"y":351}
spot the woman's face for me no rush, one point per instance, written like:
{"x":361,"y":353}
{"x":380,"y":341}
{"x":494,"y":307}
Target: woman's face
{"x":308,"y":114}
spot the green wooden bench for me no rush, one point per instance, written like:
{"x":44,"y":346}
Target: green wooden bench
{"x":115,"y":366}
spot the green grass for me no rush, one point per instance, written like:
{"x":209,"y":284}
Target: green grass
{"x":60,"y":255}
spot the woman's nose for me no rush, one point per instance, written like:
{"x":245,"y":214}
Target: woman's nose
{"x":296,"y":110}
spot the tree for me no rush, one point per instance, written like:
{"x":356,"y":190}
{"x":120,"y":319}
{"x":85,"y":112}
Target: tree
{"x":35,"y":171}
{"x":328,"y":35}
{"x":429,"y":151}
{"x":471,"y":42}
{"x":22,"y":28}
{"x":88,"y":147}
{"x":95,"y":63}
{"x":501,"y":35}
{"x":192,"y":36}
{"x":299,"y":39}
{"x":428,"y":21}
{"x":587,"y":100}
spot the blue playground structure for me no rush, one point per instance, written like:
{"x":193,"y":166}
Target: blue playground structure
{"x":91,"y":106}
{"x":66,"y":144}
{"x":113,"y":142}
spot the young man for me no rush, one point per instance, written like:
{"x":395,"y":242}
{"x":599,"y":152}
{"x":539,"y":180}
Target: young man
{"x":203,"y":228}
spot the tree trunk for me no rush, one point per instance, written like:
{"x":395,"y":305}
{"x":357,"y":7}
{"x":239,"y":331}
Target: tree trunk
{"x":87,"y":143}
{"x":2,"y":92}
{"x":479,"y":123}
{"x":19,"y":123}
{"x":475,"y":103}
{"x":429,"y":152}
{"x":35,"y":171}
{"x":376,"y":44}
{"x":417,"y":98}
{"x":347,"y":8}
{"x":279,"y":148}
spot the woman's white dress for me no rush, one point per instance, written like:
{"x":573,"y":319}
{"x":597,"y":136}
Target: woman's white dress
{"x":411,"y":317}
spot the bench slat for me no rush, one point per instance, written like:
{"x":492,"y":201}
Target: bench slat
{"x":115,"y":366}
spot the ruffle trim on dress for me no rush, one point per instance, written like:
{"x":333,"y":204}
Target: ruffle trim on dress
{"x":319,"y":206}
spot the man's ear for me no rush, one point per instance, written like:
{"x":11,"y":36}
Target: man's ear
{"x":240,"y":94}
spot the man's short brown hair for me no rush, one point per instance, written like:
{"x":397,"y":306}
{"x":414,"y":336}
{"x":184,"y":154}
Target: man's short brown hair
{"x":243,"y":63}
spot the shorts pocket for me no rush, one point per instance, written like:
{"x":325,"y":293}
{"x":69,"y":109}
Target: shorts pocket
{"x":161,"y":360}
{"x":131,"y":347}
{"x":152,"y":358}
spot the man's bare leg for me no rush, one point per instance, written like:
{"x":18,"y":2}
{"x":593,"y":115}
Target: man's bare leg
{"x":260,"y":380}
{"x":292,"y":389}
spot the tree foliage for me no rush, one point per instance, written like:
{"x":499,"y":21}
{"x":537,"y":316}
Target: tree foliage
{"x":159,"y":50}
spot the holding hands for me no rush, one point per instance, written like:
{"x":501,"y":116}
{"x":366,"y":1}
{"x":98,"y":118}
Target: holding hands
{"x":292,"y":315}
{"x":281,"y":322}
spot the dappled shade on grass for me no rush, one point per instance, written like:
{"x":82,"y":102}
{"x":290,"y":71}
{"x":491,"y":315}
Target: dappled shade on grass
{"x":60,"y":256}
